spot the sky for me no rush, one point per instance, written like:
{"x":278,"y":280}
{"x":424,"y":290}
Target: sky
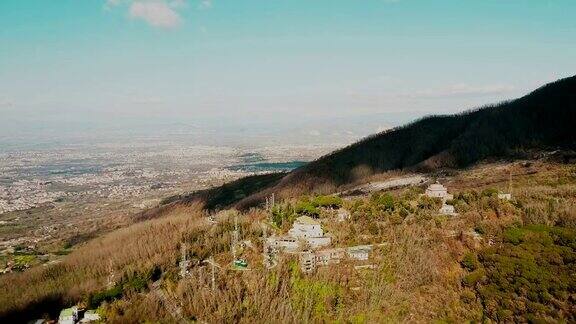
{"x":88,"y":66}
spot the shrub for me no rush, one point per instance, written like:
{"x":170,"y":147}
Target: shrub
{"x":384,"y":202}
{"x":474,"y":277}
{"x":327,"y":201}
{"x":514,"y":235}
{"x":470,"y":261}
{"x":490,"y":192}
{"x":535,"y":265}
{"x":307,"y":207}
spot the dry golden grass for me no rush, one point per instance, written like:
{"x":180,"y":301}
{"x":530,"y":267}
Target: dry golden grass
{"x":135,"y":248}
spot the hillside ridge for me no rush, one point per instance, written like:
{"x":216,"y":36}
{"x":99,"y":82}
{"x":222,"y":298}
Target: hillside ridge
{"x":544,"y":119}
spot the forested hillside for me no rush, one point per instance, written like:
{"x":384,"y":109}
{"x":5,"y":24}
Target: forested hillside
{"x":542,"y":120}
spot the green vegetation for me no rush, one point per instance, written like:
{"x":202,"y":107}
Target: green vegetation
{"x":530,"y":276}
{"x":135,"y":282}
{"x":284,"y":214}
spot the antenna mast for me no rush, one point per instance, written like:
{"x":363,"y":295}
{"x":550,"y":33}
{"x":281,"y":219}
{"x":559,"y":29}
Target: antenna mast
{"x":213,"y":274}
{"x":235,"y":236}
{"x":184,"y":261}
{"x":510,"y":182}
{"x":111,"y":281}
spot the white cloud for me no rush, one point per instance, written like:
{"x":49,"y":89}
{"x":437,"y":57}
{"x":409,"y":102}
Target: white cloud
{"x":205,"y":4}
{"x":157,"y":13}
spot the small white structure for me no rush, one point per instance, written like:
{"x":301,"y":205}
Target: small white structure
{"x":447,"y":210}
{"x":436,"y":190}
{"x":68,"y":316}
{"x":505,"y":196}
{"x":360,"y":252}
{"x":90,"y":316}
{"x":305,"y":233}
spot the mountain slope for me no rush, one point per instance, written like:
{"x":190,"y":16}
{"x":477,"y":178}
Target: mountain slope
{"x":544,"y":119}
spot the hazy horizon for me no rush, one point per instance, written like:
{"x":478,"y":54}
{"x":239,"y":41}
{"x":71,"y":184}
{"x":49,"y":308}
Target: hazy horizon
{"x":251,"y":72}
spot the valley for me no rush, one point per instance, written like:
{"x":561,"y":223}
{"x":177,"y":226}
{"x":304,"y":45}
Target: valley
{"x":52,"y":200}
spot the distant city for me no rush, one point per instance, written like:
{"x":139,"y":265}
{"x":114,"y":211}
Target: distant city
{"x":29,"y":179}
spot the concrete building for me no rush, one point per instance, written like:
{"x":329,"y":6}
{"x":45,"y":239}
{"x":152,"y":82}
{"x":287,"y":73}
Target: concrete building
{"x":305,"y":227}
{"x":306,"y":233}
{"x":310,"y":260}
{"x":436,"y":190}
{"x":310,"y":231}
{"x":284,"y":243}
{"x":447,"y":210}
{"x":359,"y":252}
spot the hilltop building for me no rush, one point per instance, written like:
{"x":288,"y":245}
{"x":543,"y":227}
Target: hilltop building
{"x":447,"y":210}
{"x":304,"y":231}
{"x":436,"y":190}
{"x":283,"y":243}
{"x":309,"y":230}
{"x":310,"y":260}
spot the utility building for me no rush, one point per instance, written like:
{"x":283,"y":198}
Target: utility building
{"x":310,"y":231}
{"x":305,"y":233}
{"x":310,"y":260}
{"x":437,"y":190}
{"x":305,"y":227}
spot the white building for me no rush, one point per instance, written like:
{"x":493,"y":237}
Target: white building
{"x":309,"y":230}
{"x":359,"y":252}
{"x":305,"y":227}
{"x":447,"y":210}
{"x":285,"y":243}
{"x":310,"y":260}
{"x":437,"y":190}
{"x":305,"y":232}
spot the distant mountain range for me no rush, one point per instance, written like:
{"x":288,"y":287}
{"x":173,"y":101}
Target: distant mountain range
{"x":542,"y":120}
